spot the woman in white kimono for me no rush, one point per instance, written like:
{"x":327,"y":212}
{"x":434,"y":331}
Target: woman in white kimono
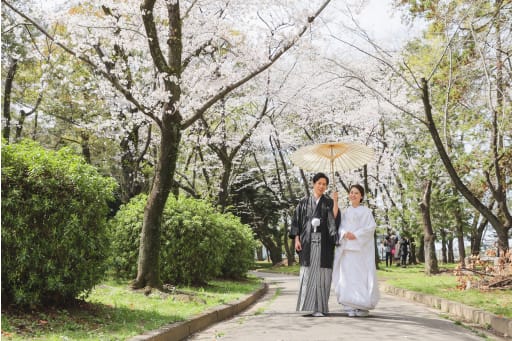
{"x":354,"y":272}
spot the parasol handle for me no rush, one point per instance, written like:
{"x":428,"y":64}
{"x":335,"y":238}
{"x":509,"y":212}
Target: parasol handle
{"x":332,"y":168}
{"x":333,"y":178}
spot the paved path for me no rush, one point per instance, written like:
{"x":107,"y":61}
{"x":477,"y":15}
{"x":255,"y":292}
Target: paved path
{"x":273,"y":318}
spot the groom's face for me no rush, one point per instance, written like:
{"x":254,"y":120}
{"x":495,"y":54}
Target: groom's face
{"x":319,"y":187}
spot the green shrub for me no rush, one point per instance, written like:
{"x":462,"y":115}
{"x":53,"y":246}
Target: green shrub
{"x":197,"y":242}
{"x":125,"y":229}
{"x":54,"y":236}
{"x":240,"y":256}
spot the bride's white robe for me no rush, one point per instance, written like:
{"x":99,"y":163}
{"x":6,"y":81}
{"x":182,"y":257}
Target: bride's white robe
{"x":354,"y":274}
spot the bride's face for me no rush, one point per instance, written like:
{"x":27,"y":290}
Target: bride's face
{"x":354,"y":196}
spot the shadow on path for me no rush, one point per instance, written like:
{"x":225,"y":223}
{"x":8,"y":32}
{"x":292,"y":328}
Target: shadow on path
{"x":274,"y":318}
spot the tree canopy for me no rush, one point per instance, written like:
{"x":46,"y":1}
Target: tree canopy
{"x":209,"y":99}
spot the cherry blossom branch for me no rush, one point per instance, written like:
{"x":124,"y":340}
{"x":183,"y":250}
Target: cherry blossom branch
{"x":110,"y":77}
{"x":227,"y":89}
{"x":154,"y":45}
{"x":196,"y":53}
{"x":249,"y":132}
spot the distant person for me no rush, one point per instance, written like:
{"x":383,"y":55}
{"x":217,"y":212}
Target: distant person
{"x":354,"y":274}
{"x":387,"y":250}
{"x":404,"y":251}
{"x":395,"y":251}
{"x":314,"y":231}
{"x":393,"y":240}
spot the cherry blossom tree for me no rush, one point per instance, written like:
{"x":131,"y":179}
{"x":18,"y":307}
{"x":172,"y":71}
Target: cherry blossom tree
{"x":172,"y":61}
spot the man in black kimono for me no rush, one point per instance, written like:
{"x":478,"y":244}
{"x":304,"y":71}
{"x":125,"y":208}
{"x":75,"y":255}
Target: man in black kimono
{"x":314,"y":230}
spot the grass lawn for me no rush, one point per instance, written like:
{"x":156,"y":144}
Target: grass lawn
{"x":443,"y":285}
{"x":115,"y":312}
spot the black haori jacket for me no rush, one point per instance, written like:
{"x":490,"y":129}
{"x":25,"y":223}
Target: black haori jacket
{"x":301,"y":226}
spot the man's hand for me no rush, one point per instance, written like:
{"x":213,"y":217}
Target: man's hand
{"x":298,"y":245}
{"x":334,"y":196}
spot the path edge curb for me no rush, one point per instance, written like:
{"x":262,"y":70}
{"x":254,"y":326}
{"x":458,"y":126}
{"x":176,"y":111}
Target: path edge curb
{"x":462,"y":312}
{"x":181,"y":330}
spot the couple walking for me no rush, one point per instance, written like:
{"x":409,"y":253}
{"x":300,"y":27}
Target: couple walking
{"x":335,"y":248}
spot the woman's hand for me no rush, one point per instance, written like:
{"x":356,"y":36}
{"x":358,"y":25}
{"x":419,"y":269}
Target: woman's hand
{"x":350,"y":236}
{"x":298,"y":245}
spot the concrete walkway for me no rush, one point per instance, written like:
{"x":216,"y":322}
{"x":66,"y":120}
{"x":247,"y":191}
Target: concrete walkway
{"x":274,"y":317}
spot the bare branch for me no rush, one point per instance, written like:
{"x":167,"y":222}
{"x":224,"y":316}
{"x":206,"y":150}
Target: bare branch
{"x":6,"y":108}
{"x":187,"y":12}
{"x":446,"y":48}
{"x":377,"y":92}
{"x":249,"y":132}
{"x":146,"y":146}
{"x":383,"y":61}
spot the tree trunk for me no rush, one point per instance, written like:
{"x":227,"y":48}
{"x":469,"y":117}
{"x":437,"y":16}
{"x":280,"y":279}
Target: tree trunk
{"x":462,"y":247}
{"x":272,"y":243}
{"x":477,"y":232}
{"x":131,"y":183}
{"x":499,"y":194}
{"x":289,"y":244}
{"x":226,"y":156}
{"x":412,"y":256}
{"x":444,"y":255}
{"x":421,"y":250}
{"x":291,"y":255}
{"x":148,"y":271}
{"x":9,"y":80}
{"x":86,"y":148}
{"x":377,"y":256}
{"x":499,"y":191}
{"x":24,"y":114}
{"x":34,"y":130}
{"x":259,"y":253}
{"x":430,"y":247}
{"x":19,"y":125}
{"x":275,"y":253}
{"x":459,"y":231}
{"x":224,"y":183}
{"x":286,"y":191}
{"x":451,"y":257}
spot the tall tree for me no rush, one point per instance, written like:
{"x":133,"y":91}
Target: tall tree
{"x":478,"y":31}
{"x":179,"y":57}
{"x":475,"y":31}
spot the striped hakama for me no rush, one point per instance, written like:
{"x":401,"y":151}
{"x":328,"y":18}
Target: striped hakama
{"x":314,"y":281}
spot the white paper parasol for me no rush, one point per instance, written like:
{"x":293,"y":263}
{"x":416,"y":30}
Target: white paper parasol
{"x":332,"y":156}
